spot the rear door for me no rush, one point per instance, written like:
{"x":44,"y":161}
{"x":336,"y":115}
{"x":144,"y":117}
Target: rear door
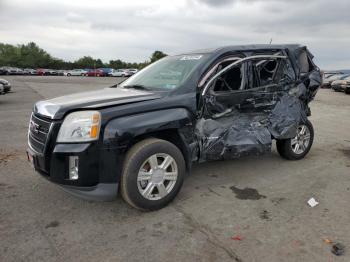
{"x":268,"y":78}
{"x":236,"y":102}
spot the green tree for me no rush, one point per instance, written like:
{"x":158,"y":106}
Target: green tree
{"x":157,"y":55}
{"x":88,"y":62}
{"x":116,"y":64}
{"x":9,"y":55}
{"x":32,"y":56}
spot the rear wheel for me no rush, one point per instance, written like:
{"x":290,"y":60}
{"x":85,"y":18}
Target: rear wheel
{"x":296,"y":148}
{"x":153,"y":174}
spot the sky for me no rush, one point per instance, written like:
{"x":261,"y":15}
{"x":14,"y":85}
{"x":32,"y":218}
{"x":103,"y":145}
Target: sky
{"x":131,"y":30}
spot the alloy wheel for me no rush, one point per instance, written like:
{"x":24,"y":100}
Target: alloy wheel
{"x":157,"y":176}
{"x":302,"y":140}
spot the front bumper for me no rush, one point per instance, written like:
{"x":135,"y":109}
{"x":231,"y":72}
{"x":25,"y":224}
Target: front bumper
{"x":98,"y":170}
{"x":100,"y":192}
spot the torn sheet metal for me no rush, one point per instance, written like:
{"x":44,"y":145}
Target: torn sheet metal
{"x":286,"y":116}
{"x":248,"y":125}
{"x":237,"y":134}
{"x":233,"y":136}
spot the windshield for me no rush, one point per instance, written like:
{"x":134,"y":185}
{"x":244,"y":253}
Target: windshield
{"x":167,"y":73}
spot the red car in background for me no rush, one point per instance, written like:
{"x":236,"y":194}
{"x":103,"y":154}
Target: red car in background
{"x":41,"y":71}
{"x":96,"y":72}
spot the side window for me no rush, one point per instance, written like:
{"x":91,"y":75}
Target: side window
{"x":216,"y":69}
{"x":265,"y":71}
{"x":230,"y":80}
{"x":272,"y":71}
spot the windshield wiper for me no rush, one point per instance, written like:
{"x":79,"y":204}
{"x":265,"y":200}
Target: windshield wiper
{"x":141,"y":87}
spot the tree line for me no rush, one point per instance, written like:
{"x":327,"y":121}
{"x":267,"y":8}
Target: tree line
{"x":32,"y":56}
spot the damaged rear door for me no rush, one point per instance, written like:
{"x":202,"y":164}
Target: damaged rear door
{"x":236,"y":103}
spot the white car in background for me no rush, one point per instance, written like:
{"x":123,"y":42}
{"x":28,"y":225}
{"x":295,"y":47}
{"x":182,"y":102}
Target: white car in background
{"x":76,"y":72}
{"x":133,"y":70}
{"x":120,"y":73}
{"x":327,"y":81}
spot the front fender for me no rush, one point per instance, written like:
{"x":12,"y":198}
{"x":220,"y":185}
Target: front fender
{"x":121,"y":130}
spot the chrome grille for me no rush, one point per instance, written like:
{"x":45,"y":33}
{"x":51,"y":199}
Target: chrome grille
{"x":38,"y":133}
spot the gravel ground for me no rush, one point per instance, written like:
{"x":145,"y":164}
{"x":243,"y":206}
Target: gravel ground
{"x":251,"y":209}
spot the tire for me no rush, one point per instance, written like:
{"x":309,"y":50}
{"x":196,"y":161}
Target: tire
{"x":347,"y":91}
{"x":137,"y":158}
{"x":288,"y":151}
{"x":68,"y":74}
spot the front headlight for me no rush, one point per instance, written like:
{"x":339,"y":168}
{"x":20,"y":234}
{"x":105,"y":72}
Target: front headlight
{"x":80,"y":126}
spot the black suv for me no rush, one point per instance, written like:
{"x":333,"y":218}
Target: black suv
{"x":143,"y":135}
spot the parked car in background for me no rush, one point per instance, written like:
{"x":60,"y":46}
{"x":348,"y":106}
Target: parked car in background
{"x":29,"y":71}
{"x":96,"y":72}
{"x":51,"y":72}
{"x":133,"y":70}
{"x":76,"y":72}
{"x":6,"y":85}
{"x":106,"y":70}
{"x":8,"y":70}
{"x":120,"y":73}
{"x":41,"y":71}
{"x":61,"y":72}
{"x":19,"y":71}
{"x":328,"y":79}
{"x":342,"y":84}
{"x":326,"y":74}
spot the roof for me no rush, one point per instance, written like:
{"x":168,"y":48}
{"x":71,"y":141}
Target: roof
{"x":241,"y":48}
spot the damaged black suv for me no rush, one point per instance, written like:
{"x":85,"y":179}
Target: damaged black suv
{"x":143,"y":135}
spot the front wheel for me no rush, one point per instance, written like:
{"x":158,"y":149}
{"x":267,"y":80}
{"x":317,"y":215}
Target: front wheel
{"x":297,"y":148}
{"x":153,"y":174}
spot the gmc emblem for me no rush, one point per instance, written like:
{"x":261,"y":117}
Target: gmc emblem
{"x":34,"y":127}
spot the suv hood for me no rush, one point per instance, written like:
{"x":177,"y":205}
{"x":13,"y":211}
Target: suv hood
{"x":57,"y":107}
